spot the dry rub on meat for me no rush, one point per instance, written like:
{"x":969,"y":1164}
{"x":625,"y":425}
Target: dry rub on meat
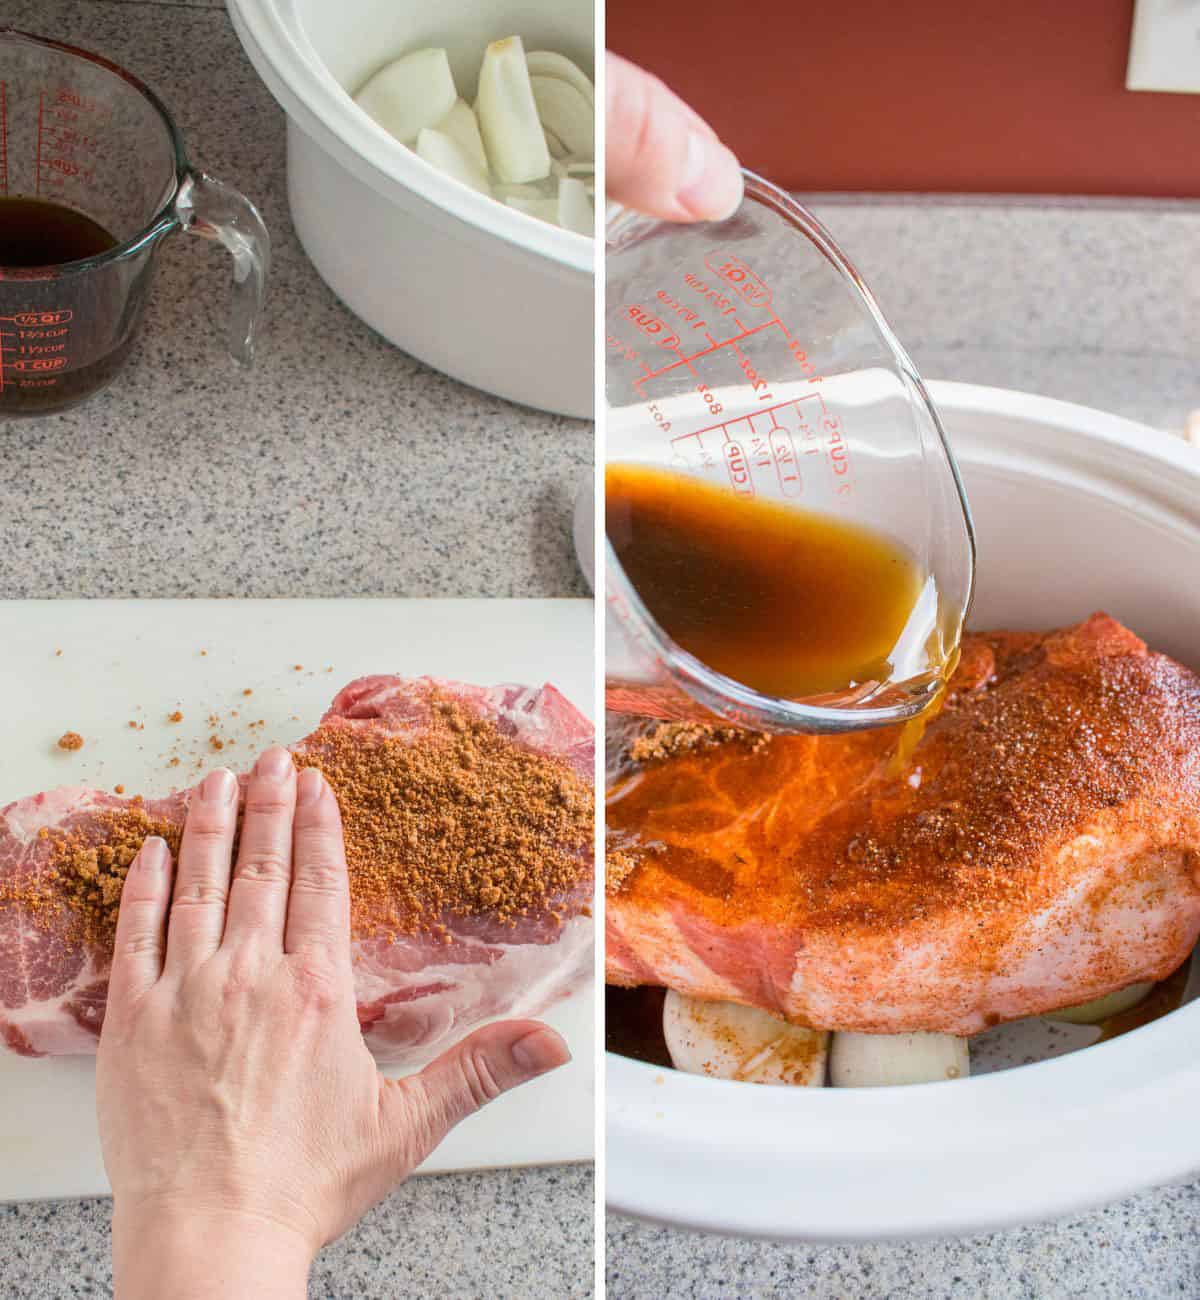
{"x":1040,"y":849}
{"x":468,"y":822}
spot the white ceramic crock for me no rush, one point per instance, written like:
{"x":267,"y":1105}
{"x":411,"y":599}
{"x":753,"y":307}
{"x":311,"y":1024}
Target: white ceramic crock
{"x":1075,"y":511}
{"x":486,"y":294}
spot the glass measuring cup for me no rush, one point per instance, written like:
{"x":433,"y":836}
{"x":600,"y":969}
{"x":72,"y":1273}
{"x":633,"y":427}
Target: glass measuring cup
{"x":80,"y":132}
{"x":750,"y":355}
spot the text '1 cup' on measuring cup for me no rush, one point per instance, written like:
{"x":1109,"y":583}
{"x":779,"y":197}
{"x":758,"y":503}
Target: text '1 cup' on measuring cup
{"x":93,"y":177}
{"x":789,"y":546}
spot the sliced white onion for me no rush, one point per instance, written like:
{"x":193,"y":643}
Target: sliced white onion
{"x":414,"y":91}
{"x":535,"y":190}
{"x":508,"y":117}
{"x":444,"y":154}
{"x":566,"y":114}
{"x":545,"y":63}
{"x":460,"y":125}
{"x":554,"y":145}
{"x":543,"y":209}
{"x":1091,"y":1013}
{"x":877,"y":1060}
{"x":574,"y":207}
{"x":728,"y":1041}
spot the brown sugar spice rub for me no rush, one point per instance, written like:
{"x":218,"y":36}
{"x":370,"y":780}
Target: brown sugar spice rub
{"x":669,"y":739}
{"x":462,"y":823}
{"x":90,"y":871}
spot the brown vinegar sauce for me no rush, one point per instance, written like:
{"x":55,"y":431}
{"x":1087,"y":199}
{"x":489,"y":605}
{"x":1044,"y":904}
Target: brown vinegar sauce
{"x":787,"y":601}
{"x":34,"y":232}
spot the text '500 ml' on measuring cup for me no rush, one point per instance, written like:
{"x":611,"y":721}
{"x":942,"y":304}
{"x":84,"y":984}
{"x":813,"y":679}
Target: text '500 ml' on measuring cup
{"x":93,"y":177}
{"x":788,"y":543}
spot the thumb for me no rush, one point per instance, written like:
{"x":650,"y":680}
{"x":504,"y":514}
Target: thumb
{"x":486,"y":1064}
{"x":662,"y":158}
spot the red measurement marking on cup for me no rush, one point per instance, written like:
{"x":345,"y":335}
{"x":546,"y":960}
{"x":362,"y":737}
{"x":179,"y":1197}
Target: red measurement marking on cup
{"x":774,"y":442}
{"x":68,"y":140}
{"x":737,"y":274}
{"x":690,"y":359}
{"x":35,"y":344}
{"x":657,"y":331}
{"x":718,"y":310}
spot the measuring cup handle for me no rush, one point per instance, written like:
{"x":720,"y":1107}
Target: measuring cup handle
{"x":206,"y":207}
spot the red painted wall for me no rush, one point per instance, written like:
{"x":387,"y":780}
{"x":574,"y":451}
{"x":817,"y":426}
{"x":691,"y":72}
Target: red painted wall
{"x":1018,"y":96}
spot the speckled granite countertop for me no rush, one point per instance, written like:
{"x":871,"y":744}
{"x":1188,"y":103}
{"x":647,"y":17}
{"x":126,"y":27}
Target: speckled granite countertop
{"x":188,"y":478}
{"x":323,"y":471}
{"x":1097,"y":303}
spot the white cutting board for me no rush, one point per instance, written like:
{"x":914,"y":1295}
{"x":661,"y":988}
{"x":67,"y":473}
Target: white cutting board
{"x":140,"y":661}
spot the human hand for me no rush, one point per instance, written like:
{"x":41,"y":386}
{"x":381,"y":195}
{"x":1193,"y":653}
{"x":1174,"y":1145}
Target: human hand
{"x":243,"y":1120}
{"x":661,"y":157}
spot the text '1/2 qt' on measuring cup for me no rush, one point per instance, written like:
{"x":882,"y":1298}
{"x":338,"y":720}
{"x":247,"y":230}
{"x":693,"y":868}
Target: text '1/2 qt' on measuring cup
{"x":788,"y":543}
{"x":93,"y":177}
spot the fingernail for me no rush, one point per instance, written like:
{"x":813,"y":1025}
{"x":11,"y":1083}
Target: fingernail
{"x":309,"y":786}
{"x":219,"y":786}
{"x":275,"y":764}
{"x":540,"y":1051}
{"x":152,"y":856}
{"x":712,"y":180}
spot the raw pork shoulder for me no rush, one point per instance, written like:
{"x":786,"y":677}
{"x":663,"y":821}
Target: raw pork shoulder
{"x":1041,"y":848}
{"x":419,"y":987}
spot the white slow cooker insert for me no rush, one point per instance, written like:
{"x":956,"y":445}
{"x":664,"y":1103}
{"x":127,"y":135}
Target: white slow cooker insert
{"x":1075,"y":511}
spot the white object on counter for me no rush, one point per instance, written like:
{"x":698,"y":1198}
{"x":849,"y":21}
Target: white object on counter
{"x":470,"y":286}
{"x":141,"y":660}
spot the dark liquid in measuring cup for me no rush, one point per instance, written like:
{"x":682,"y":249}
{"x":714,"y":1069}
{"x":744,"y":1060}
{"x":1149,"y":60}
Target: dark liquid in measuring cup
{"x":38,"y":335}
{"x":36,"y":233}
{"x":789,"y":602}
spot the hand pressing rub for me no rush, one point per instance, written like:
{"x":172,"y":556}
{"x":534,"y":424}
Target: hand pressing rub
{"x":661,"y":157}
{"x":243,"y":1121}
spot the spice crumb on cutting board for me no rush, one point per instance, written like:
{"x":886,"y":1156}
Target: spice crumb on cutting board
{"x":70,"y":741}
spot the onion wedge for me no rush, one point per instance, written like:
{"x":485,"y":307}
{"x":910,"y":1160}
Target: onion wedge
{"x":414,"y":91}
{"x":545,"y":63}
{"x":508,"y":117}
{"x":565,"y":114}
{"x":728,"y":1041}
{"x":877,"y":1060}
{"x":440,"y":151}
{"x":1092,"y":1013}
{"x":574,"y":207}
{"x":543,"y":209}
{"x":460,"y":125}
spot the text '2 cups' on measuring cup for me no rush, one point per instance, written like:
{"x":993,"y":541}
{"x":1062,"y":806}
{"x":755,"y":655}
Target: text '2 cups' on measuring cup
{"x":93,"y":177}
{"x":788,"y":543}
